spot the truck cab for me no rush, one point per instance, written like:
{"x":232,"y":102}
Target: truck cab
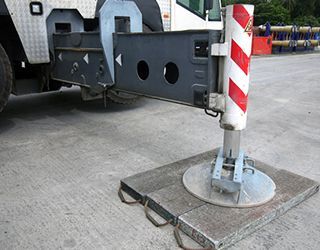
{"x":192,"y":14}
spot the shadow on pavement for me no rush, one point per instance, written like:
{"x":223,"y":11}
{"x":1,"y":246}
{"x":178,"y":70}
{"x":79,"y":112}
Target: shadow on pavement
{"x":54,"y":104}
{"x":5,"y":125}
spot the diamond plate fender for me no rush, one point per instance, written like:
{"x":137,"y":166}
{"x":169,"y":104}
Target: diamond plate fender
{"x":32,"y":30}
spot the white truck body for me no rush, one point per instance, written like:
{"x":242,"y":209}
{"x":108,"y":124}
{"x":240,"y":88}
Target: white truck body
{"x":32,"y":29}
{"x":176,"y":16}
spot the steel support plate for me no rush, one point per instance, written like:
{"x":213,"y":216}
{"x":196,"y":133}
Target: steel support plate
{"x":257,"y":188}
{"x":208,"y":224}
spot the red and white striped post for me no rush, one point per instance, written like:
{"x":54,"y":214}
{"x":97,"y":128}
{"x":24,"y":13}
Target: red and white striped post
{"x":238,"y":36}
{"x":232,"y":185}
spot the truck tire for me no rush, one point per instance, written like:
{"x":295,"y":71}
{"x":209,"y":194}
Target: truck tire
{"x":6,"y":78}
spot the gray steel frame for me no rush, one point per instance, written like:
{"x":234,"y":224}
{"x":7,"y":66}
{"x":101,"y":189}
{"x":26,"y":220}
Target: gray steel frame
{"x":81,"y":60}
{"x":109,"y":11}
{"x":197,"y":72}
{"x":176,"y":66}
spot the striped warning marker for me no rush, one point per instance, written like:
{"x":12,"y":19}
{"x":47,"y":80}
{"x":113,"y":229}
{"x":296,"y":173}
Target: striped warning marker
{"x":242,"y":16}
{"x":237,"y":95}
{"x":239,"y":21}
{"x":240,"y":57}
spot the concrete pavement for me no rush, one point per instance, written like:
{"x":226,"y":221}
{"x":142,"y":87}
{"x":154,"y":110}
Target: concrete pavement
{"x":61,"y":160}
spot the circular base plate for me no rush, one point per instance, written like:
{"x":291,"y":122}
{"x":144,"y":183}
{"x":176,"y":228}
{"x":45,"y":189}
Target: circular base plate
{"x":257,"y":188}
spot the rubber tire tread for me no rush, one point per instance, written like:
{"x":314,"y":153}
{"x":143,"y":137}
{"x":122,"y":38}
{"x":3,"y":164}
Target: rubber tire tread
{"x":6,"y":78}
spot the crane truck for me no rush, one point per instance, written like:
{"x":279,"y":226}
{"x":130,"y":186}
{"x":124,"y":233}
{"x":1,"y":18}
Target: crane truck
{"x":33,"y":57}
{"x":118,"y":49}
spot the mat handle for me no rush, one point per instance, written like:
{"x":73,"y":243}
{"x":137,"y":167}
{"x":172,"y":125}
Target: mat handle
{"x":151,"y":219}
{"x":180,"y":243}
{"x":120,"y":194}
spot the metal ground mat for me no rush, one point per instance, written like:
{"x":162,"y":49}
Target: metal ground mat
{"x":207,"y":224}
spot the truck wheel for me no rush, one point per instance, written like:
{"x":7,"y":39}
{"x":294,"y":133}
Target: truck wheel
{"x":5,"y":78}
{"x":121,"y":97}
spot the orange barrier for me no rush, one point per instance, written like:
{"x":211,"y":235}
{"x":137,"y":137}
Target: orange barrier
{"x":262,"y":45}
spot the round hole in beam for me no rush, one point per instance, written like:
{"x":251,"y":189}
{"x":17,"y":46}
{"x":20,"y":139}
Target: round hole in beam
{"x":143,"y":70}
{"x":171,"y":73}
